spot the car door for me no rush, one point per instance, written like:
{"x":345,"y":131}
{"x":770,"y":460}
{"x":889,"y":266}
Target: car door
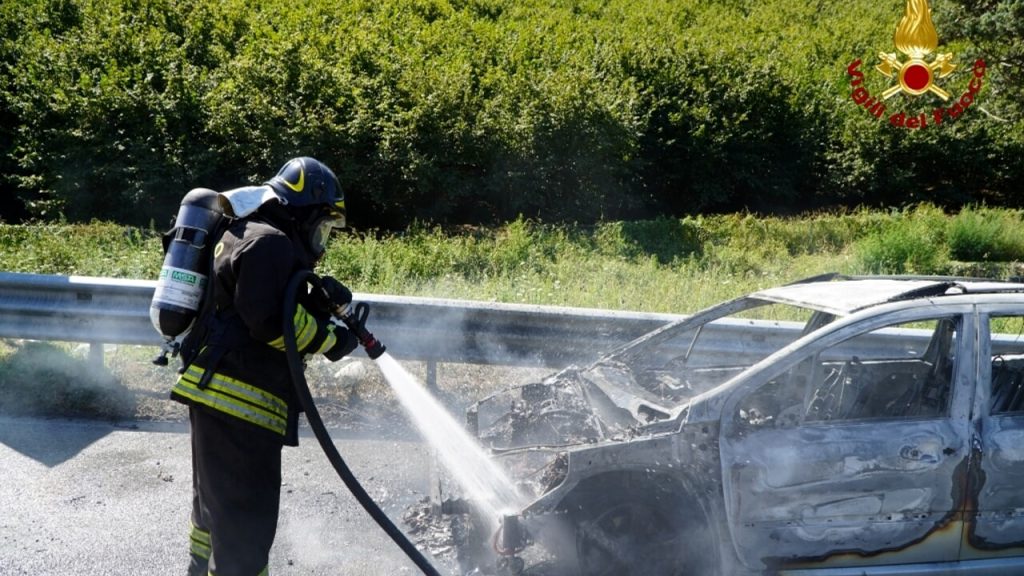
{"x":849,"y":453}
{"x":995,"y":526}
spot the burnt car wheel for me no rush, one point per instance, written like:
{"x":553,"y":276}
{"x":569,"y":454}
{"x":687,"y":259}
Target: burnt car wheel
{"x":637,"y":534}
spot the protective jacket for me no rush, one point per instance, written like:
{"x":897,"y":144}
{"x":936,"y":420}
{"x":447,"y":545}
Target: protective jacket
{"x":241,"y":371}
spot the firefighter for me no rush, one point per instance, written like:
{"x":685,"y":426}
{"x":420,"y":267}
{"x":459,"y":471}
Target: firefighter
{"x":237,"y":387}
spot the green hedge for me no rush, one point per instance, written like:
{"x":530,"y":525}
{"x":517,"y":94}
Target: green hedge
{"x":478,"y":111}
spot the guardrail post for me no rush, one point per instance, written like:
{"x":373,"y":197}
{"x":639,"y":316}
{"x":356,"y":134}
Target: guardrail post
{"x":96,"y":355}
{"x":432,"y":376}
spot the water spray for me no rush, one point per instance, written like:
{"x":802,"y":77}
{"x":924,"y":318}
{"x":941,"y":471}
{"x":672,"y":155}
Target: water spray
{"x":296,"y":369}
{"x":487,"y":485}
{"x":489,"y":488}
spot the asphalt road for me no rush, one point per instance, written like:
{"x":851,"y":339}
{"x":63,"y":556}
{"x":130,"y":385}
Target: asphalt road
{"x":87,"y":498}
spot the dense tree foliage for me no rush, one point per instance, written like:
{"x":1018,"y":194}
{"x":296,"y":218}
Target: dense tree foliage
{"x":477,"y":111}
{"x":997,"y":29}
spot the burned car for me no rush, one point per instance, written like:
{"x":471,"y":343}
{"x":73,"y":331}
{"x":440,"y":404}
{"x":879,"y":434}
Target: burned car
{"x":838,"y":425}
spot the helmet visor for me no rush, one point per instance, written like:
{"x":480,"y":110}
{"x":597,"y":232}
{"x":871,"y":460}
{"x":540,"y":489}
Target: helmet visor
{"x":321,"y":231}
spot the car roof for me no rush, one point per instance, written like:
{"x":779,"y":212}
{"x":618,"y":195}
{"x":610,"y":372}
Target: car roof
{"x":846,"y":295}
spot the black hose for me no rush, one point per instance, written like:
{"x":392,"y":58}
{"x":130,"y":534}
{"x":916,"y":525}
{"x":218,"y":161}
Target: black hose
{"x":298,"y":376}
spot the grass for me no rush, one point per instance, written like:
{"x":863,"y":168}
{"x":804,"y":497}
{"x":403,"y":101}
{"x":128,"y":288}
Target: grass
{"x":663,"y":265}
{"x":674,"y":265}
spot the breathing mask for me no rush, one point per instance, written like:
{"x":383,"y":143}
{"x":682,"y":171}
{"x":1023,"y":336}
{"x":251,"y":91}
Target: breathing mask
{"x":319,"y":231}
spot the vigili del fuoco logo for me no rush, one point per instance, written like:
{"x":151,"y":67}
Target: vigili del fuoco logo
{"x":916,"y":75}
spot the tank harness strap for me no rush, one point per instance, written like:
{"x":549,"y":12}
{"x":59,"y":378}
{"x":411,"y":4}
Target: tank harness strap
{"x":227,"y":332}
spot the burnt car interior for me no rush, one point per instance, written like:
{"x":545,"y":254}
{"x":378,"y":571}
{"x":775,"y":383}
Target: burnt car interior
{"x":1007,"y":383}
{"x":856,"y":388}
{"x":870,"y":376}
{"x":1007,"y":376}
{"x":679,"y":365}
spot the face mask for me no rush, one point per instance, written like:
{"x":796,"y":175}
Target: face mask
{"x":321,"y":231}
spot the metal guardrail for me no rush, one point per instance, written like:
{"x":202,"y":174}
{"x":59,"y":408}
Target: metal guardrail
{"x":112,"y":311}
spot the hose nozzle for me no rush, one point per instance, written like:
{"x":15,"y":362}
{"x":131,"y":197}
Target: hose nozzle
{"x":355,"y":320}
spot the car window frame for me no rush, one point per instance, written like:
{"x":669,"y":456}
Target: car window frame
{"x":849,"y":327}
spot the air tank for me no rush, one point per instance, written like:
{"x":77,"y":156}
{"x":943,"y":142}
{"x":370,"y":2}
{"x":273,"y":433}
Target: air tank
{"x":183,"y":276}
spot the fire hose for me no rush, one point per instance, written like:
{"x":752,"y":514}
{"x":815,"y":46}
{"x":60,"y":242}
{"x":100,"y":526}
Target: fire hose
{"x":356,"y":323}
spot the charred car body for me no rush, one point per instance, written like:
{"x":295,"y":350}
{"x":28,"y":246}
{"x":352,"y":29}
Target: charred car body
{"x":832,"y":426}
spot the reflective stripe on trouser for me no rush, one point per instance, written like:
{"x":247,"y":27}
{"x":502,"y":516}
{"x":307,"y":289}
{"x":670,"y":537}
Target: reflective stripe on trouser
{"x":200,"y":540}
{"x":199,"y":552}
{"x":200,"y":549}
{"x":234,"y":397}
{"x":236,"y":492}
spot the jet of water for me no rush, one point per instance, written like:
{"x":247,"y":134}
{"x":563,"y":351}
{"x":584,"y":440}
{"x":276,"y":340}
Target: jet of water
{"x":483,"y":480}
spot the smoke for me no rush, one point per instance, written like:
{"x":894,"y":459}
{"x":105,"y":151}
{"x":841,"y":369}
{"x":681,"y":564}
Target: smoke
{"x":432,"y":329}
{"x":423,"y":401}
{"x":324,"y":551}
{"x":354,"y":389}
{"x":50,"y":380}
{"x":309,"y":536}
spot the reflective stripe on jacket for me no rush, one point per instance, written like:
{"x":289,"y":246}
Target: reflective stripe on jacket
{"x":241,"y":370}
{"x":307,"y":330}
{"x":234,"y":397}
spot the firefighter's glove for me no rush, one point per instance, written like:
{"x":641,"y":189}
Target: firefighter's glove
{"x":337,"y":293}
{"x":346,"y":343}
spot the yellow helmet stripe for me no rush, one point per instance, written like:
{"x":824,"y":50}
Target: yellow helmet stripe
{"x":297,"y":187}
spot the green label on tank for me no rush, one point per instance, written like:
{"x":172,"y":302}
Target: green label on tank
{"x":186,"y":277}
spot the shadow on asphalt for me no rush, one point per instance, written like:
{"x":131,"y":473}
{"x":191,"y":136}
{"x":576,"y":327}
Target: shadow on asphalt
{"x":55,"y":445}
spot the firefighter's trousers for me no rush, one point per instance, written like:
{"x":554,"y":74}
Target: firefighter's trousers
{"x":236,"y":488}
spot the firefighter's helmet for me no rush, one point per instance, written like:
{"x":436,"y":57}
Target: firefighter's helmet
{"x":311,"y":191}
{"x":306,"y":182}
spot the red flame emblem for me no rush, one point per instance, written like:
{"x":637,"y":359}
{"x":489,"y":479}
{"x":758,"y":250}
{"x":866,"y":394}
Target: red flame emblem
{"x":916,"y":38}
